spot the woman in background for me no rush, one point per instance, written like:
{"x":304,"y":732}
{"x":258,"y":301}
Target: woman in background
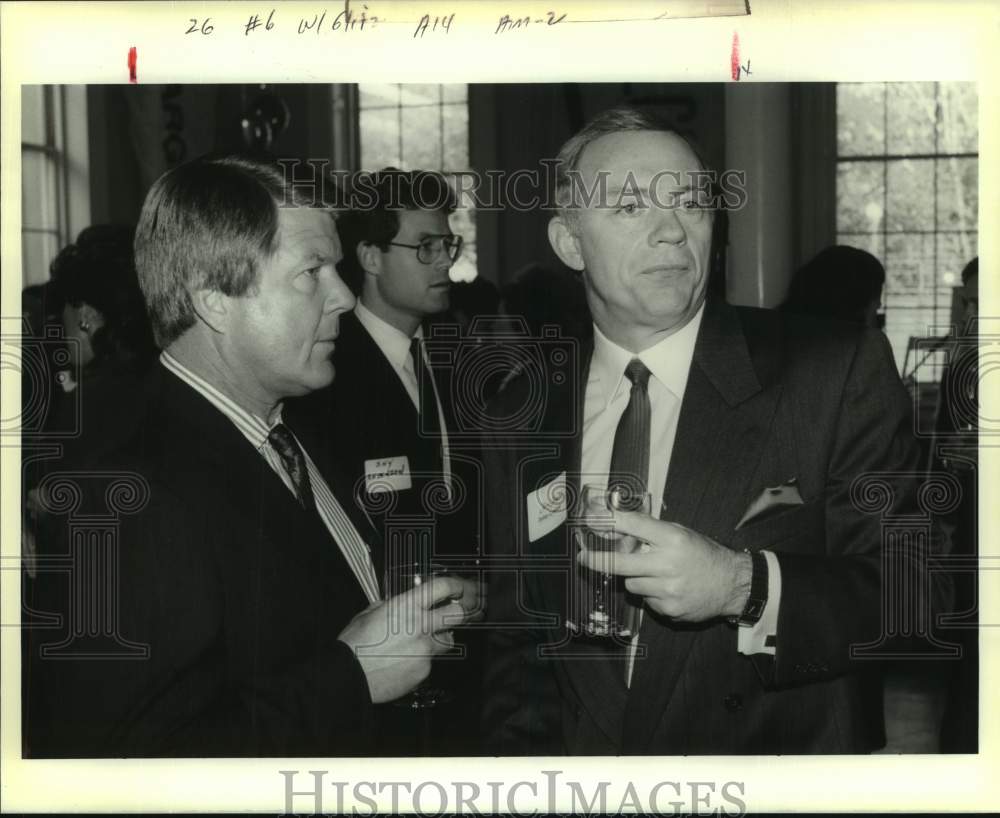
{"x":87,"y":345}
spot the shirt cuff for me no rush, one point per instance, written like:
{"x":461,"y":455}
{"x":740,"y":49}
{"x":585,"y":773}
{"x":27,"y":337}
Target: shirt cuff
{"x":762,"y":636}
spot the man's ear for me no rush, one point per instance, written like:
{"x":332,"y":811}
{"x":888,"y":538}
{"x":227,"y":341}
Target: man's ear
{"x":565,"y":242}
{"x":212,"y":307}
{"x":369,"y":257}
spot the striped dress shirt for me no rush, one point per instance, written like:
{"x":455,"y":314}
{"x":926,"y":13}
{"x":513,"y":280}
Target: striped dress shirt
{"x":255,"y":429}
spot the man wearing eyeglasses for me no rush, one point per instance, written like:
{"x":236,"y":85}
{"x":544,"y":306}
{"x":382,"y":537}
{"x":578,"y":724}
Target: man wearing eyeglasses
{"x":385,"y":421}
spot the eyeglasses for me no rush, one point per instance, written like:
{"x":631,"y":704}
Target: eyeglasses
{"x":429,"y":249}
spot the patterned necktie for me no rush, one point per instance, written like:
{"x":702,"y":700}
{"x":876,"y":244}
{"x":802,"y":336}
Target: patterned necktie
{"x":630,"y":470}
{"x":294,"y":461}
{"x":430,"y":425}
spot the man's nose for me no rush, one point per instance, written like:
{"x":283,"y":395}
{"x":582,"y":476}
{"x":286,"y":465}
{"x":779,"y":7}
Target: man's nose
{"x":442,"y":263}
{"x":667,"y":227}
{"x":339,"y":297}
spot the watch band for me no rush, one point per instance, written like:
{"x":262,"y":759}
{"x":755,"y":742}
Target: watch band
{"x":757,"y":600}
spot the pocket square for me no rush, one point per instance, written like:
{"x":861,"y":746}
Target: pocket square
{"x":771,"y":500}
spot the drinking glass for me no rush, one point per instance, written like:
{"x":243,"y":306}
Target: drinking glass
{"x":403,"y":578}
{"x":601,"y":605}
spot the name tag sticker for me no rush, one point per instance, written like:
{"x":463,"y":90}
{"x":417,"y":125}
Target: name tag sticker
{"x":546,"y":508}
{"x":384,"y":474}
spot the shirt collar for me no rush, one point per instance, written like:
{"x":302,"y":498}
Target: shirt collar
{"x":669,"y":361}
{"x":394,"y":344}
{"x":253,"y":426}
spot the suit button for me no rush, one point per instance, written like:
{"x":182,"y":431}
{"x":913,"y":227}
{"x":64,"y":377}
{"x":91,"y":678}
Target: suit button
{"x":733,"y":702}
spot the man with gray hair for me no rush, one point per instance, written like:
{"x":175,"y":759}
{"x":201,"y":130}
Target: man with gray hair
{"x":726,"y":446}
{"x":245,"y":592}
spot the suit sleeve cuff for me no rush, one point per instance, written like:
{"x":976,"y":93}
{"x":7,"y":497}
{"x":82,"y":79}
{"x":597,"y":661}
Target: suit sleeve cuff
{"x":762,"y":637}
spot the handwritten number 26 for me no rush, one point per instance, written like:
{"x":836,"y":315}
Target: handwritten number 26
{"x":206,"y":27}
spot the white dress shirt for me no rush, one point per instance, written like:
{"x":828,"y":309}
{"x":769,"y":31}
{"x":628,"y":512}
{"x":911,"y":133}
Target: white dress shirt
{"x":605,"y":400}
{"x":256,"y":429}
{"x":395,"y":346}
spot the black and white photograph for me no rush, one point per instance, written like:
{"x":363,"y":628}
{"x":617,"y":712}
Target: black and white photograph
{"x":559,"y":421}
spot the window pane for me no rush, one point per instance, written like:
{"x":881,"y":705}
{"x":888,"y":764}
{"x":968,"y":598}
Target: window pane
{"x":957,"y":193}
{"x":456,"y":136}
{"x":860,"y":119}
{"x":412,"y":126}
{"x":873,"y":243}
{"x":33,"y":114}
{"x":909,"y":205}
{"x":39,"y":207}
{"x":422,"y":138}
{"x":909,"y":269}
{"x":910,"y":109}
{"x":463,"y":222}
{"x":930,"y":205}
{"x":380,"y":138}
{"x":420,"y":94}
{"x":860,"y":197}
{"x":955,"y":250}
{"x":902,"y":324}
{"x":377,"y":95}
{"x":38,"y":250}
{"x":958,"y":125}
{"x":455,"y":92}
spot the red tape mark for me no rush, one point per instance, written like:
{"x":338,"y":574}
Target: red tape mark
{"x":735,"y":61}
{"x":132,"y":60}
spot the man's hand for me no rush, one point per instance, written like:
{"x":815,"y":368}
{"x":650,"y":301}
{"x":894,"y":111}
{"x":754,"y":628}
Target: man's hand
{"x":678,"y":572}
{"x":395,"y":640}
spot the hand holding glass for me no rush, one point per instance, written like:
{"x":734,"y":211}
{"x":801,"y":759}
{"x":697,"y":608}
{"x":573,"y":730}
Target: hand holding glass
{"x":602,"y":608}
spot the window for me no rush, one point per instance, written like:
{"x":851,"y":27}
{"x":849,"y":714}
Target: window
{"x":44,"y":198}
{"x":907,"y":192}
{"x":421,"y":127}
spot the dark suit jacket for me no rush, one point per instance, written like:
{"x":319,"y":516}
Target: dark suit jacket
{"x":768,"y":398}
{"x":224,"y":600}
{"x":365,"y":414}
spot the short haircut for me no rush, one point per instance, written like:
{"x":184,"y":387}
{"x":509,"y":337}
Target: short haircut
{"x":630,"y":119}
{"x":621,"y":119}
{"x":209,"y":224}
{"x":839,"y":282}
{"x":373,"y":217}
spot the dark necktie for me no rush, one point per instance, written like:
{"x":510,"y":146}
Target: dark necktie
{"x":630,"y":466}
{"x":429,"y":425}
{"x":630,"y":454}
{"x":294,"y":461}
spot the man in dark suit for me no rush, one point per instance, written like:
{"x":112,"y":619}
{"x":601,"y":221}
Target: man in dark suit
{"x":388,"y":414}
{"x":236,"y":611}
{"x":387,"y":419}
{"x":774,"y":450}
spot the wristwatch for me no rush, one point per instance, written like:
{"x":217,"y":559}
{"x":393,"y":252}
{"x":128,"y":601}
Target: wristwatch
{"x":754,"y":608}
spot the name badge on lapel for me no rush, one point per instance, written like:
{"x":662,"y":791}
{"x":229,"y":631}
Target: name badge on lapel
{"x":384,"y":474}
{"x":546,"y":508}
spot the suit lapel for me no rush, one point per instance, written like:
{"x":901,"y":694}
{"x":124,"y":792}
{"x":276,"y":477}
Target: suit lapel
{"x":724,"y":423}
{"x":588,"y":670}
{"x":200,"y":441}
